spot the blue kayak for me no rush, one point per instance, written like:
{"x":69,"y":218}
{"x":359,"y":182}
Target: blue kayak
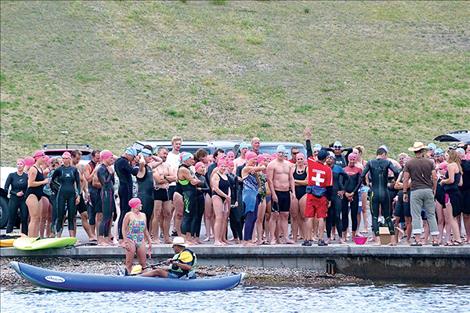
{"x":93,"y":282}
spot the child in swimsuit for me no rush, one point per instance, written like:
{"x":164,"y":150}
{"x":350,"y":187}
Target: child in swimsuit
{"x":135,"y":233}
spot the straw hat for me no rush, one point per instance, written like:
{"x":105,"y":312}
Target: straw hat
{"x":179,"y":241}
{"x":417,"y":146}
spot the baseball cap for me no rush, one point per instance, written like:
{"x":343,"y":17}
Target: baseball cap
{"x":322,"y":154}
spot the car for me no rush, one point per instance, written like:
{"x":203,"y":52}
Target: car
{"x":270,"y":147}
{"x":190,"y":146}
{"x":56,"y":150}
{"x":455,"y":136}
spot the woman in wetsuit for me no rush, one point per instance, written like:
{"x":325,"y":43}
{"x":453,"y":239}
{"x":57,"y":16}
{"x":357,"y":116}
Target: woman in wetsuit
{"x":235,"y":212}
{"x":18,"y":181}
{"x":351,"y":198}
{"x":145,"y":185}
{"x":201,"y":191}
{"x":450,"y":184}
{"x":68,"y":195}
{"x":300,"y":200}
{"x":34,"y":193}
{"x":105,"y":174}
{"x":221,"y":200}
{"x":187,"y":183}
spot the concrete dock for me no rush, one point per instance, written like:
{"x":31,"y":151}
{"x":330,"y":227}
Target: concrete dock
{"x":405,"y":264}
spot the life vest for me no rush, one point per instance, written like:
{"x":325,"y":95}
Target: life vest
{"x":178,"y":270}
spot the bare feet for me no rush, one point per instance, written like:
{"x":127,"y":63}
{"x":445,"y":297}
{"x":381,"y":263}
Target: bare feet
{"x":219,"y":243}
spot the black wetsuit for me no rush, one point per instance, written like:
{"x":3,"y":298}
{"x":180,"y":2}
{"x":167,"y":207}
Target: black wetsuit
{"x":95,"y":202}
{"x":145,"y":187}
{"x":465,"y":188}
{"x":202,"y":190}
{"x":351,"y":185}
{"x":108,"y":205}
{"x":17,"y":183}
{"x":188,"y":191}
{"x":300,"y":191}
{"x":380,"y":197}
{"x":455,"y":198}
{"x":69,"y":181}
{"x":240,"y":207}
{"x":124,"y":171}
{"x":235,"y":213}
{"x":335,"y":209}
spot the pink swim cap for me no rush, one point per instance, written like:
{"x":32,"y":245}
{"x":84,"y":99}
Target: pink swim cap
{"x":260,"y":158}
{"x":230,"y":163}
{"x":352,"y":157}
{"x":198,"y":165}
{"x":66,"y":155}
{"x":38,"y":154}
{"x":20,"y":162}
{"x":29,"y":161}
{"x":222,"y":162}
{"x":105,"y":154}
{"x":250,"y":155}
{"x":135,"y":203}
{"x":443,"y":166}
{"x":230,"y":154}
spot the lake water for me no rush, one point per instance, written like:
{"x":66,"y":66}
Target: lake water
{"x":372,"y":298}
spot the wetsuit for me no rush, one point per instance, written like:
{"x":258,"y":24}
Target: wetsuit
{"x":188,"y":191}
{"x":124,"y":171}
{"x":235,"y":213}
{"x":52,"y":188}
{"x":94,"y":206}
{"x":340,"y":159}
{"x":402,"y":208}
{"x":202,"y":190}
{"x":380,"y":197}
{"x":452,"y":190}
{"x":354,"y":177}
{"x":38,"y":190}
{"x":465,"y":188}
{"x":145,"y":187}
{"x":334,"y":217}
{"x":300,"y":191}
{"x":224,"y":186}
{"x":17,"y":183}
{"x":108,"y":205}
{"x":240,"y":207}
{"x":250,"y":200}
{"x":69,"y":181}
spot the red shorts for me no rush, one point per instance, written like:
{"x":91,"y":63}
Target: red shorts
{"x":316,"y":207}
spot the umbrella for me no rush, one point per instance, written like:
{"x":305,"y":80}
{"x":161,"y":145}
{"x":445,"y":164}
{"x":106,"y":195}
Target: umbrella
{"x":455,"y":136}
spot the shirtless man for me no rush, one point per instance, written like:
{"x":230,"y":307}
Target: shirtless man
{"x":162,"y":204}
{"x":282,"y":185}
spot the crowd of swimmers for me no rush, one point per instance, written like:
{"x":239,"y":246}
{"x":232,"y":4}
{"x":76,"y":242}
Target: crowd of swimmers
{"x":246,"y":197}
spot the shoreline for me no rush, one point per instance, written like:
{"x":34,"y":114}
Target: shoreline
{"x":256,"y":276}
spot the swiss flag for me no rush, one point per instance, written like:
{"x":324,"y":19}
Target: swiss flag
{"x":319,"y":174}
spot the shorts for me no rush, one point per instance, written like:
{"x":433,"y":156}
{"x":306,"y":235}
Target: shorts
{"x":81,"y":207}
{"x":465,"y":201}
{"x":171,"y":192}
{"x":283,"y":202}
{"x":174,"y":275}
{"x":402,"y":209}
{"x":316,"y":207}
{"x":161,"y":195}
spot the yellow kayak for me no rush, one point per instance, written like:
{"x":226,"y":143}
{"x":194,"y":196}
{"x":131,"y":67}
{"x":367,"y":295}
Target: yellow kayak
{"x":27,"y":243}
{"x":6,"y":243}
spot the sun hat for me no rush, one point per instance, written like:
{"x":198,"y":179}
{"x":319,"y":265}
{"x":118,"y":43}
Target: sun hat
{"x":417,"y":146}
{"x":179,"y":241}
{"x":38,"y":154}
{"x":66,"y":155}
{"x":135,"y":203}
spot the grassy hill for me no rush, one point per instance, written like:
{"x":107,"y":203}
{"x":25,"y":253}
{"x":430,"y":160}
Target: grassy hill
{"x":112,"y":72}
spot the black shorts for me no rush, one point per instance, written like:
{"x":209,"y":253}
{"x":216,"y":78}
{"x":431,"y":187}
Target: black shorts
{"x":161,"y":195}
{"x":283,"y":202}
{"x":402,"y":209}
{"x":465,"y":201}
{"x":81,"y":207}
{"x":171,"y":192}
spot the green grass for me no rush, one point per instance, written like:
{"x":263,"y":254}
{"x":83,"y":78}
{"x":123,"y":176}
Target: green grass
{"x":110,"y":73}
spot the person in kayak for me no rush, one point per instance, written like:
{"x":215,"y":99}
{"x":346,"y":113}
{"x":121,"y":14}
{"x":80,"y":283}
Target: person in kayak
{"x":135,"y":232}
{"x":182,"y":263}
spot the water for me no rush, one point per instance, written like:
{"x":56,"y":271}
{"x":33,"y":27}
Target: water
{"x":391,"y":298}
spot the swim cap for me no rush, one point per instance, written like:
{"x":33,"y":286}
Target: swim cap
{"x":432,"y":146}
{"x":352,"y":157}
{"x":230,"y":154}
{"x":135,"y":203}
{"x":105,"y":154}
{"x":198,"y":165}
{"x":243,"y":145}
{"x":66,"y":155}
{"x":20,"y":162}
{"x":131,"y":151}
{"x":322,"y":155}
{"x":38,"y":154}
{"x":146,"y":152}
{"x":337,"y":144}
{"x":281,"y":148}
{"x":317,"y":147}
{"x":184,"y":156}
{"x":331,"y":155}
{"x":250,"y":155}
{"x":460,"y":151}
{"x":28,"y":161}
{"x":384,"y":147}
{"x":230,"y":163}
{"x":222,"y":162}
{"x":438,"y":152}
{"x":443,"y":166}
{"x":261,"y":158}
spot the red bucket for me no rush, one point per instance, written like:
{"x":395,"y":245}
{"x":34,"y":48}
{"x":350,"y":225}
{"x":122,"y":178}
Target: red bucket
{"x":360,"y":240}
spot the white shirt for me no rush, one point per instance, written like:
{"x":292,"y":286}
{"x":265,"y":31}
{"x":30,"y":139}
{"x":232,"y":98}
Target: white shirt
{"x":173,"y":161}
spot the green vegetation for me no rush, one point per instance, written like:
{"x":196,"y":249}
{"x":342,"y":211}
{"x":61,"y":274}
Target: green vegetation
{"x":111,"y":72}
